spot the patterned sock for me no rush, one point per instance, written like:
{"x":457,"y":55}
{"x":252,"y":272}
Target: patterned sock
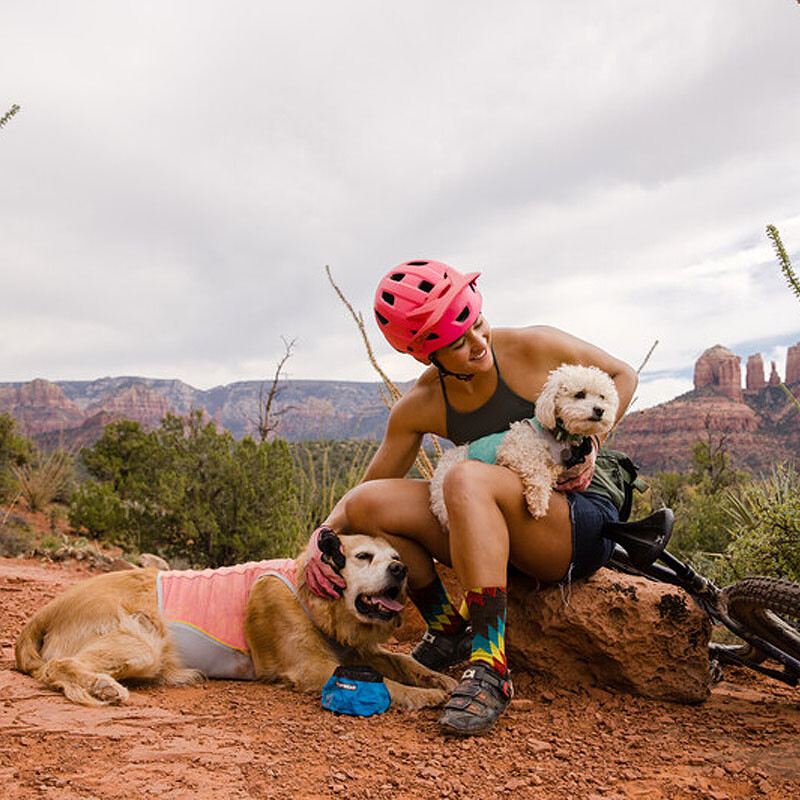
{"x":487,"y":613}
{"x":437,"y":608}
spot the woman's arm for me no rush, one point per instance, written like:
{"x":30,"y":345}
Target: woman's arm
{"x":400,"y":445}
{"x":563,"y":348}
{"x":394,"y":458}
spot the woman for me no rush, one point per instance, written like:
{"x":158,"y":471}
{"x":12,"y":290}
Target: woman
{"x":478,"y":382}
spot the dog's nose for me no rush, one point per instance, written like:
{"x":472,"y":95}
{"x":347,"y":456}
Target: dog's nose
{"x":598,"y":412}
{"x":398,"y":570}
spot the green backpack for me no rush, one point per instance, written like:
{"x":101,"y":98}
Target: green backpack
{"x":615,"y":477}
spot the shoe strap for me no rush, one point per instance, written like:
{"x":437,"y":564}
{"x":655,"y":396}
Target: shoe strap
{"x":479,"y":676}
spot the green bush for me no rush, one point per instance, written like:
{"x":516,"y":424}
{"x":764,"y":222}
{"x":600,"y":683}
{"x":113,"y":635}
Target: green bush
{"x":191,"y":492}
{"x":15,"y":536}
{"x":15,"y":451}
{"x":99,"y":509}
{"x":764,"y":521}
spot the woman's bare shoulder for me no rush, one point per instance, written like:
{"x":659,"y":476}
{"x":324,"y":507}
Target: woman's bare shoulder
{"x":421,"y":408}
{"x":541,"y":342}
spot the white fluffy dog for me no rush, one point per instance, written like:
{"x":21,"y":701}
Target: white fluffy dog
{"x":575,"y":404}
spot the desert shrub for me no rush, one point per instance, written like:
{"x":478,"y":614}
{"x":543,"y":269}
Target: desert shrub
{"x":15,"y":451}
{"x":191,"y":492}
{"x":326,"y":469}
{"x":15,"y":536}
{"x":44,"y":478}
{"x":702,"y":526}
{"x":98,"y":508}
{"x":764,"y":521}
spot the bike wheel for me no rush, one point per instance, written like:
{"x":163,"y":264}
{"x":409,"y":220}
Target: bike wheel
{"x":769,"y":608}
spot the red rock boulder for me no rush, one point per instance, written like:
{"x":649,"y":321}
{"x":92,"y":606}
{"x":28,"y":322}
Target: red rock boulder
{"x":612,"y":630}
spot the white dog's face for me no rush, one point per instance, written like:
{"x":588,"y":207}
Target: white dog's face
{"x":376,"y":579}
{"x":584,"y":399}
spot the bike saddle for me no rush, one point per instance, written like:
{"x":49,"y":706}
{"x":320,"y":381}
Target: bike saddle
{"x":645,"y":539}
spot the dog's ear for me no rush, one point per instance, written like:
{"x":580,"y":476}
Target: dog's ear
{"x":546,"y":403}
{"x":331,"y":548}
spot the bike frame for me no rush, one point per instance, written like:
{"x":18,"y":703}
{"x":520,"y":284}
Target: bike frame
{"x":707,"y":595}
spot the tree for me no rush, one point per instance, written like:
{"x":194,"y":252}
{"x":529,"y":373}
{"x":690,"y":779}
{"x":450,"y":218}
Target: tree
{"x":15,"y":451}
{"x":268,"y":418}
{"x":188,"y":490}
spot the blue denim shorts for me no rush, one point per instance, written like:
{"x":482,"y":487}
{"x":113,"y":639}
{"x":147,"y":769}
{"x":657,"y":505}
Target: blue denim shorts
{"x":590,"y":549}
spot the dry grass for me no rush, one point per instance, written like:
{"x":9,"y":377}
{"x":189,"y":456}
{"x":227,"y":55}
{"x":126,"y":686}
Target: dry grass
{"x":42,"y":480}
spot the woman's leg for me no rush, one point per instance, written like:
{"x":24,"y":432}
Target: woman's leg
{"x":490,"y":526}
{"x":399,"y":510}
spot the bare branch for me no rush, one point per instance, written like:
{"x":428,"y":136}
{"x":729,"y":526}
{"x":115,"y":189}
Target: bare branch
{"x":647,"y":357}
{"x":268,"y":419}
{"x":423,"y":462}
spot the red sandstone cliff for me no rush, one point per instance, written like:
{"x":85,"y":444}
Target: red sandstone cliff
{"x":43,"y":410}
{"x":760,"y":426}
{"x":40,"y":406}
{"x":755,"y":373}
{"x":720,"y":369}
{"x":134,"y":402}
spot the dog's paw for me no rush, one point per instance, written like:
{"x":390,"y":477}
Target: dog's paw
{"x":182,"y":677}
{"x":413,"y":697}
{"x":107,"y":690}
{"x":438,"y":680}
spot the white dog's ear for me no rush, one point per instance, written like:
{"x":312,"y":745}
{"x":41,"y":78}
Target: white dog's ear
{"x":546,"y":403}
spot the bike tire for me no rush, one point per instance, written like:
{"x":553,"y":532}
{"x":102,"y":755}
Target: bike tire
{"x":769,"y":608}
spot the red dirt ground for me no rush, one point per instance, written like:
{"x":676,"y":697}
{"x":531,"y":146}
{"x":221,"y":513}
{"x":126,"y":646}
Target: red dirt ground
{"x":244,"y":740}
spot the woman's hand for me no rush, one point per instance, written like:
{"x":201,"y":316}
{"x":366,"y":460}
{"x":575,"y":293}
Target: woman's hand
{"x":578,"y":477}
{"x":324,"y":559}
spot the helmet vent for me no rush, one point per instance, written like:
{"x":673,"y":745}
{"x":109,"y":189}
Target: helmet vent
{"x":426,"y":286}
{"x":388,"y":298}
{"x":381,"y":318}
{"x":398,"y":276}
{"x":463,"y":315}
{"x":431,"y":336}
{"x":417,"y":263}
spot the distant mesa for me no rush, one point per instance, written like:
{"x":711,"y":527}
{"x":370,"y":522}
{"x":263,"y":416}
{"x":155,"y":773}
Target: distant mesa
{"x":758,"y":422}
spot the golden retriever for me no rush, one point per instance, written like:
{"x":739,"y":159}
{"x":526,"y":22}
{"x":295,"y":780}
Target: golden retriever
{"x":109,"y":628}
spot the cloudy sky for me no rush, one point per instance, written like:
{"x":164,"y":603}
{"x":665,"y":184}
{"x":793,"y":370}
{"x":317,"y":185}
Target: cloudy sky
{"x":181,"y":172}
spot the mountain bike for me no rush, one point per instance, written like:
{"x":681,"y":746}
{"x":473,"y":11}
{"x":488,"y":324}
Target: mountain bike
{"x":764,"y":613}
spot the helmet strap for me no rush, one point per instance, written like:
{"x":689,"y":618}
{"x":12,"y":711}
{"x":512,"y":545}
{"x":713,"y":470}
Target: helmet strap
{"x":444,"y":372}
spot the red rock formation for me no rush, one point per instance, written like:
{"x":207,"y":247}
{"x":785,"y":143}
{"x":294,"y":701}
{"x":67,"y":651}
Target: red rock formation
{"x":135,"y":402}
{"x":755,"y":373}
{"x":774,"y":378}
{"x":720,"y":369}
{"x":39,"y":406}
{"x":793,"y":364}
{"x":661,"y":438}
{"x":617,"y":630}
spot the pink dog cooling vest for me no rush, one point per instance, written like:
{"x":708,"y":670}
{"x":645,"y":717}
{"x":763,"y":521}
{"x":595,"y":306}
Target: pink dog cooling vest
{"x":204,"y":611}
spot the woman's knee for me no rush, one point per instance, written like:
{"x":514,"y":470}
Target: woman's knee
{"x":362,"y":506}
{"x":465,"y":482}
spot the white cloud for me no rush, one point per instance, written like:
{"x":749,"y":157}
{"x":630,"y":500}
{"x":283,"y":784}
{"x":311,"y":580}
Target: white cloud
{"x":180,"y":173}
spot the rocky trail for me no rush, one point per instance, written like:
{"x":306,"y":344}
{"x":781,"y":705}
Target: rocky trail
{"x":243,"y":740}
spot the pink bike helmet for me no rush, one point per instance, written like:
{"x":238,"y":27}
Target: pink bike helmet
{"x":424,"y":305}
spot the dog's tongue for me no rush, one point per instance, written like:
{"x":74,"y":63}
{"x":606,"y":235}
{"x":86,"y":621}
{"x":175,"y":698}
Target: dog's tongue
{"x":387,"y":602}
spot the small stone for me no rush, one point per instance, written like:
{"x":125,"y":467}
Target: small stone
{"x":536,"y":746}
